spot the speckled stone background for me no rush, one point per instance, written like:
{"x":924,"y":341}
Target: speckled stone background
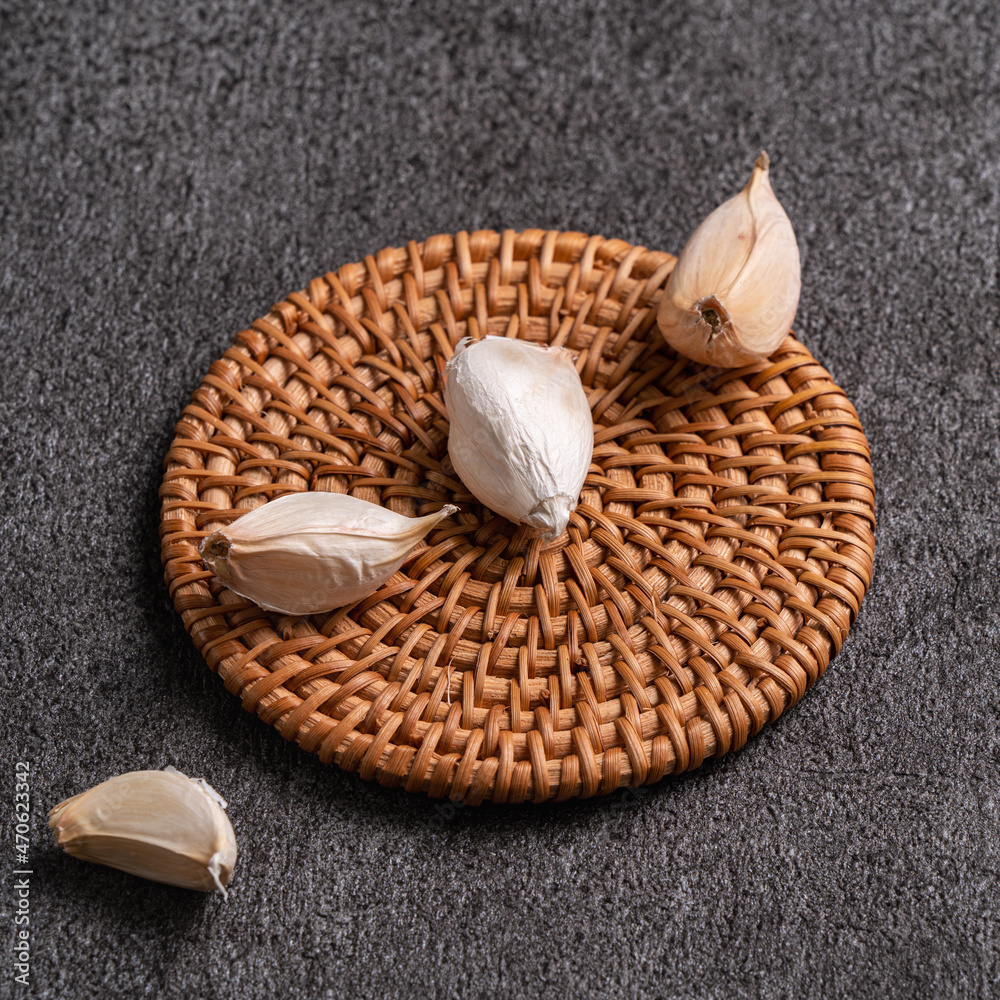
{"x":168,"y":170}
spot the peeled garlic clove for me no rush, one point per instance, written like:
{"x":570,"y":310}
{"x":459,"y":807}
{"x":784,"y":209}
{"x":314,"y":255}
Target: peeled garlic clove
{"x":734,"y":291}
{"x":159,"y":825}
{"x":311,"y":552}
{"x":521,"y":435}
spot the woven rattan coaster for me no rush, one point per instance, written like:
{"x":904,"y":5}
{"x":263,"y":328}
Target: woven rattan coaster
{"x":719,"y":554}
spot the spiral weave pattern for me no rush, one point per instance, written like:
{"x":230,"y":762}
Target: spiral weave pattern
{"x":720,"y":552}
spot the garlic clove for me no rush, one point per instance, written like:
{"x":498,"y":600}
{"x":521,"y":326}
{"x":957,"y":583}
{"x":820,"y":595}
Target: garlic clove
{"x":307,"y":553}
{"x":159,"y":825}
{"x":521,"y":432}
{"x":734,"y":290}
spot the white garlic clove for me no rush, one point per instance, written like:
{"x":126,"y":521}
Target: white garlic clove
{"x":159,"y":825}
{"x":521,"y":435}
{"x":734,"y":291}
{"x":307,"y":553}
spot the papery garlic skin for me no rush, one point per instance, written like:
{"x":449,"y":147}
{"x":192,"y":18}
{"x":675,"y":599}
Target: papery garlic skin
{"x":159,"y":825}
{"x":307,"y":553}
{"x":521,"y":432}
{"x":734,"y":291}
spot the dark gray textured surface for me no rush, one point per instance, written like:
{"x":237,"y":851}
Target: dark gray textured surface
{"x":167,"y":172}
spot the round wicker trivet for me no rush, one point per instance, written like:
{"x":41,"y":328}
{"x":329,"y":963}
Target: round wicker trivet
{"x":720,"y":551}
